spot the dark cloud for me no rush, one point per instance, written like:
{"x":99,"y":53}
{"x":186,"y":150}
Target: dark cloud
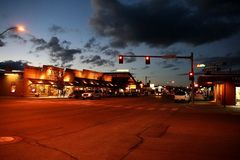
{"x":175,"y":68}
{"x":168,"y":66}
{"x":60,"y":52}
{"x":224,"y":62}
{"x":165,"y":22}
{"x":38,"y":41}
{"x":66,"y":44}
{"x":12,"y":36}
{"x":103,"y":48}
{"x":145,"y":67}
{"x":117,"y":43}
{"x":15,"y":36}
{"x":55,"y":29}
{"x":111,"y":52}
{"x":2,"y":43}
{"x":13,"y":65}
{"x":97,"y":61}
{"x":216,"y":7}
{"x":130,"y":59}
{"x":93,"y":45}
{"x":172,"y":51}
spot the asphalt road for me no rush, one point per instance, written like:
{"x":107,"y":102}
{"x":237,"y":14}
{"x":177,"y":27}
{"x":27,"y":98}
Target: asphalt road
{"x":135,"y":128}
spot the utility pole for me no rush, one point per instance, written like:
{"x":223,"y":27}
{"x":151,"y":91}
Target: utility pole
{"x":192,"y":70}
{"x":146,"y":79}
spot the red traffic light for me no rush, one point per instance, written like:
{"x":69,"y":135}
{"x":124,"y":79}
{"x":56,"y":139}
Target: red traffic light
{"x":191,"y":76}
{"x":147,"y":59}
{"x":120,"y":59}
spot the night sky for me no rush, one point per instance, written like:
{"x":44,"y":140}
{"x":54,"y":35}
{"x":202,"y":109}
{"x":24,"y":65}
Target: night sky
{"x":83,"y":34}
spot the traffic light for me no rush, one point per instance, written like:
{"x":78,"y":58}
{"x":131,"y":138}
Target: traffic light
{"x":191,"y":76}
{"x":147,"y":59}
{"x":120,"y":59}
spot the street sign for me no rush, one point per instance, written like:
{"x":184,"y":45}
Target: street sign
{"x":169,"y":56}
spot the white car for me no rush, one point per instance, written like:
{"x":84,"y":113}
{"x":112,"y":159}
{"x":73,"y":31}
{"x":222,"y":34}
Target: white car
{"x":91,"y":95}
{"x":158,"y":93}
{"x":182,"y":96}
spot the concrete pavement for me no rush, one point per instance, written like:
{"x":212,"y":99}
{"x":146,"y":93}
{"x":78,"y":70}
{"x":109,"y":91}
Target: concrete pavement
{"x":142,"y":128}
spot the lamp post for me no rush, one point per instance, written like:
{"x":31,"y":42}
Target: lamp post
{"x":18,"y":28}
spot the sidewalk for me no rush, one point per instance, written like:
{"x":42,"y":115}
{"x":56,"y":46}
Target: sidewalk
{"x":2,"y":98}
{"x":212,"y":106}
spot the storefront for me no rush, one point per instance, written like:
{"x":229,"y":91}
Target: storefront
{"x":39,"y":87}
{"x":226,"y":87}
{"x":88,"y":80}
{"x":43,"y":81}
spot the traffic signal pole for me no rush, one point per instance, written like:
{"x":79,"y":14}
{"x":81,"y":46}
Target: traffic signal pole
{"x":167,"y":57}
{"x":192,"y":70}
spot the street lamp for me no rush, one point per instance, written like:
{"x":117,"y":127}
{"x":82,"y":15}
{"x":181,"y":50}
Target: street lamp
{"x":19,"y":28}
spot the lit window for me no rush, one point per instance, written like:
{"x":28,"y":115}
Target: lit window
{"x":13,"y":88}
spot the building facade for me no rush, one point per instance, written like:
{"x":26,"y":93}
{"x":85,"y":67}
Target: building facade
{"x":51,"y":81}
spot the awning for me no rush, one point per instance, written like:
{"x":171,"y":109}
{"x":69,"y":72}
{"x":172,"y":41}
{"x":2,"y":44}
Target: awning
{"x":92,"y":83}
{"x":42,"y":81}
{"x":108,"y":84}
{"x":68,"y":84}
{"x":81,"y":82}
{"x":219,"y":79}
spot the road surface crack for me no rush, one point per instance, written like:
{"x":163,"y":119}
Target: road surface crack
{"x":146,"y":132}
{"x":136,"y":145}
{"x":36,"y":143}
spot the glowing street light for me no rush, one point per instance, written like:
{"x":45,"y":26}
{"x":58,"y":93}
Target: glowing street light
{"x":19,"y":28}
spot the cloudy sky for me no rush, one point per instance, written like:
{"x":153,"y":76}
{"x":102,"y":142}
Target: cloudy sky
{"x":84,"y":34}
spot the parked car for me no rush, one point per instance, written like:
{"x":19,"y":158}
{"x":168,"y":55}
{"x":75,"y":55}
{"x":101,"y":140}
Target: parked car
{"x":92,"y":95}
{"x":132,"y":94}
{"x":158,"y":93}
{"x":199,"y":96}
{"x":181,"y":96}
{"x":76,"y":94}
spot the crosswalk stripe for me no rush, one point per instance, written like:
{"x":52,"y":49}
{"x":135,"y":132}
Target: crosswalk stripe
{"x":140,"y":108}
{"x":163,"y":109}
{"x":175,"y":109}
{"x":116,"y":106}
{"x":128,"y":107}
{"x":151,"y":109}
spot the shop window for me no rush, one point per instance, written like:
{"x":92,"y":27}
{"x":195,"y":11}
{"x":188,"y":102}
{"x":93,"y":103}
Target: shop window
{"x":33,"y":88}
